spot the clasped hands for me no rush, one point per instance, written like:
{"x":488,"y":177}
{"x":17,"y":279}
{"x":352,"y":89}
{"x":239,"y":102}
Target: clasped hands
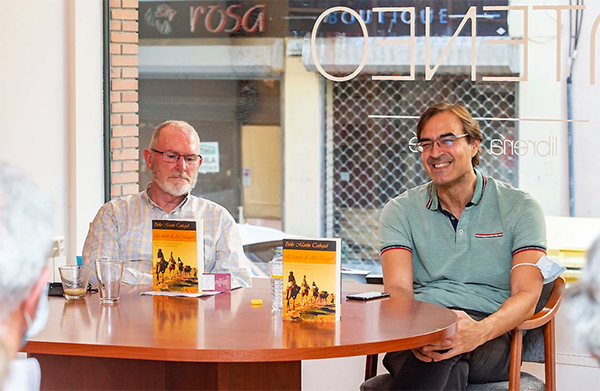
{"x":468,"y":336}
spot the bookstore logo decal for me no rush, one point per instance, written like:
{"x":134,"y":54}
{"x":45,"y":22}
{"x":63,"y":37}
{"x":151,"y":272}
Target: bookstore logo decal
{"x":507,"y":146}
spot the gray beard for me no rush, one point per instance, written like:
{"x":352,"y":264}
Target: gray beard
{"x":176,"y":191}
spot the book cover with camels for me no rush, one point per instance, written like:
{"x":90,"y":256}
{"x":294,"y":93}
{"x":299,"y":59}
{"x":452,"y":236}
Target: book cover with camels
{"x":177,"y":259}
{"x":311,"y":280}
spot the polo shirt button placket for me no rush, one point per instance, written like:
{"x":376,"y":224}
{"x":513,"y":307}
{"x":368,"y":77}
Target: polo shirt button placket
{"x":462,"y":238}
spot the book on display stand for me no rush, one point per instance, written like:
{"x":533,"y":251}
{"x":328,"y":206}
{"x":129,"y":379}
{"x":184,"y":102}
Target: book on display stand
{"x":312,"y":280}
{"x":177,"y":255}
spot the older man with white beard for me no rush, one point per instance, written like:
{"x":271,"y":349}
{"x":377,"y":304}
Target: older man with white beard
{"x":123,"y":227}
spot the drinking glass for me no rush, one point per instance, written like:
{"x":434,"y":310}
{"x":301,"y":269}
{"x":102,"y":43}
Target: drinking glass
{"x":109,"y":272}
{"x":74,"y":280}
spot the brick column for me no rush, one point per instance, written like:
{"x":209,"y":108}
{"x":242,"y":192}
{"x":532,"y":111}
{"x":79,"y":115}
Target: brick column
{"x":124,"y":142}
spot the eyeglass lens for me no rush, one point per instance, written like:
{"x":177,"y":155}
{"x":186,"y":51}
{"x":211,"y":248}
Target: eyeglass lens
{"x":172,"y":157}
{"x":442,"y":142}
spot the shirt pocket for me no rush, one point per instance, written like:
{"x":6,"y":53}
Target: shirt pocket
{"x":494,"y":243}
{"x":490,"y":235}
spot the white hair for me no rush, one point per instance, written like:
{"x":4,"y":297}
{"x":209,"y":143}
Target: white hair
{"x":182,"y":125}
{"x":584,"y":303}
{"x":26,"y":224}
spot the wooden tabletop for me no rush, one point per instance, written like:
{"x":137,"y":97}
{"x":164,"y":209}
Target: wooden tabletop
{"x":227,"y":328}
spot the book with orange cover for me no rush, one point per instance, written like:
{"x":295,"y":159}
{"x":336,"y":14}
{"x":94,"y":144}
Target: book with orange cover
{"x":177,"y":255}
{"x":312,"y":280}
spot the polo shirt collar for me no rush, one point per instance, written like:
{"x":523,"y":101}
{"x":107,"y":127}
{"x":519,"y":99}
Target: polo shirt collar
{"x":149,"y":200}
{"x":433,"y":203}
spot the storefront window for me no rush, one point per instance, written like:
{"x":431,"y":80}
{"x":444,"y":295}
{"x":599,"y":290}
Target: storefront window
{"x":310,"y":128}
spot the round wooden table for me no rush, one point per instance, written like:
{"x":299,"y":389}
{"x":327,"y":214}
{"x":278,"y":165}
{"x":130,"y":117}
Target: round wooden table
{"x":219,"y":342}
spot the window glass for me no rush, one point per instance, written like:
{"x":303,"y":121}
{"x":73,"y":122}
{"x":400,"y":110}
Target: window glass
{"x":307,"y":110}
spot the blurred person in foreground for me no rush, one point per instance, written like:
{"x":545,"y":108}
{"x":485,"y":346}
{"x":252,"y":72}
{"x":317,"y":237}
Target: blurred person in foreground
{"x":469,"y":243}
{"x":26,"y":224}
{"x":123,"y":227}
{"x":583,"y":303}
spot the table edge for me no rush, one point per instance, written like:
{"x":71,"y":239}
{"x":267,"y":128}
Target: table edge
{"x":237,"y":355}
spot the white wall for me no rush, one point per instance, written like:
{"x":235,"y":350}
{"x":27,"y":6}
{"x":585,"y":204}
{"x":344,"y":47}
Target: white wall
{"x":302,"y":150}
{"x":51,"y":126}
{"x":33,"y":95}
{"x":86,"y":161}
{"x":586,"y":105}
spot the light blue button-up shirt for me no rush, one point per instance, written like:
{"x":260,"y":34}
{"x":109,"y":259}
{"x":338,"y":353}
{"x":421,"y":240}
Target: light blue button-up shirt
{"x":123,"y":229}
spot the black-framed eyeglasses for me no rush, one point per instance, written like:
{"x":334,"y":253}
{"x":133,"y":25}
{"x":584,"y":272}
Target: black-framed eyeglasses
{"x":173,"y":157}
{"x":443,"y":142}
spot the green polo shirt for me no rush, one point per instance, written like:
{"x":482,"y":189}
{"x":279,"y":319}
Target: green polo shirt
{"x":468,"y":267}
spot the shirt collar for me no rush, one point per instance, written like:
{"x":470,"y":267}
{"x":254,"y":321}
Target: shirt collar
{"x":152,"y":203}
{"x":433,"y":203}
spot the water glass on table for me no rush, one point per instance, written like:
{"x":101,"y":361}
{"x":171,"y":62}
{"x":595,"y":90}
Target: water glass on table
{"x":74,"y":280}
{"x":109,"y":272}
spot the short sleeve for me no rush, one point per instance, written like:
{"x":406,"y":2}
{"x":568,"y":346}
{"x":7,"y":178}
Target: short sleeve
{"x":394,"y":227}
{"x":530,"y":227}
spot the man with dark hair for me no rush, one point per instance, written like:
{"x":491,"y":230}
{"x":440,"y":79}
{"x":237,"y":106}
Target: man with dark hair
{"x":458,"y":241}
{"x":123,"y":227}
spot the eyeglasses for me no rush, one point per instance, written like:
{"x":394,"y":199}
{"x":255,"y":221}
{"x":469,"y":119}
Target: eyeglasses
{"x":173,"y":157}
{"x":443,"y":142}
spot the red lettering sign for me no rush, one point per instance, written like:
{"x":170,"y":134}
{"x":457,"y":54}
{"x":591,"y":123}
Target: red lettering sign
{"x":224,"y":17}
{"x":208,"y":20}
{"x":260,"y":19}
{"x":195,"y":13}
{"x":237,"y":18}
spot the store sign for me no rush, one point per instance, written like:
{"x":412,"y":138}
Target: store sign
{"x":470,"y":21}
{"x":205,"y":19}
{"x":210,"y":157}
{"x":246,"y":177}
{"x":444,"y":18}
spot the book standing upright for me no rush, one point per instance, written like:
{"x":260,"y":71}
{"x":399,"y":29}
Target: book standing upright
{"x":311,"y":280}
{"x":177,"y":255}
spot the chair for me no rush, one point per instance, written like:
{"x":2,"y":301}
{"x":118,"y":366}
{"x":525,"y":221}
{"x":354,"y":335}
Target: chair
{"x":536,"y":345}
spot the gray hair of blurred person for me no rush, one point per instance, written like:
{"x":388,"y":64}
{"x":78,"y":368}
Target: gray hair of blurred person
{"x":583,"y":303}
{"x":26,"y":225}
{"x":175,"y":123}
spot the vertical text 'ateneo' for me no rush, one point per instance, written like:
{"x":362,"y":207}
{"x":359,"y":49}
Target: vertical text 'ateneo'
{"x":407,"y":16}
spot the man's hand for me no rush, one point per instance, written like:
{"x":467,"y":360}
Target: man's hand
{"x":469,"y":335}
{"x":418,"y":353}
{"x":526,"y":285}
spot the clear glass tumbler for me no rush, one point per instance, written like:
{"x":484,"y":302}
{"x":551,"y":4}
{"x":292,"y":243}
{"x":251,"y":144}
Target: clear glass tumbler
{"x":74,"y":281}
{"x":109,"y":272}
